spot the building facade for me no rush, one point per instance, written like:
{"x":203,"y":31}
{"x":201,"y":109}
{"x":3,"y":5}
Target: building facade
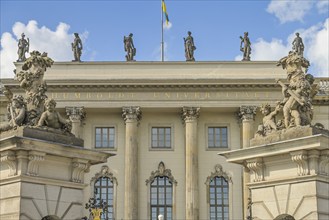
{"x":166,"y":122}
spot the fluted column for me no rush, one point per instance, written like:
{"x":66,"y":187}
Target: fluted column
{"x":190,"y":117}
{"x":76,"y":115}
{"x":131,"y":115}
{"x":247,"y":116}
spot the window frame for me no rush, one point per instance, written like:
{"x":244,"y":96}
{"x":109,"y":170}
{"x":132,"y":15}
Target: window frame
{"x":105,"y":172}
{"x":114,"y":148}
{"x":151,"y":126}
{"x":220,"y":148}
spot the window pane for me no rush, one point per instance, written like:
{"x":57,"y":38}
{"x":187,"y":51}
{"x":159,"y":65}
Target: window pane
{"x":218,"y":198}
{"x":103,"y":190}
{"x":161,"y":137}
{"x":217,"y":137}
{"x":161,"y":198}
{"x":104,"y":137}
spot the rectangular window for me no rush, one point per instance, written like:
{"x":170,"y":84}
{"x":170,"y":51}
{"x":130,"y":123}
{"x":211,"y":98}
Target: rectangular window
{"x":218,"y":194}
{"x":104,"y":137}
{"x":161,"y":137}
{"x":217,"y":137}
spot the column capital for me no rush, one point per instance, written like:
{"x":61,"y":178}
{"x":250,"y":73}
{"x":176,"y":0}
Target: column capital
{"x":190,"y":114}
{"x":247,"y":112}
{"x":131,"y":113}
{"x":75,"y":113}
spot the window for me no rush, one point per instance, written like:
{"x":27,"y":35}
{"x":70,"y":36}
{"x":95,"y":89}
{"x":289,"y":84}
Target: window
{"x":161,"y":193}
{"x":104,"y":137}
{"x":161,"y":198}
{"x":103,"y":190}
{"x":217,"y":137}
{"x":104,"y":187}
{"x":218,"y":193}
{"x":161,"y":137}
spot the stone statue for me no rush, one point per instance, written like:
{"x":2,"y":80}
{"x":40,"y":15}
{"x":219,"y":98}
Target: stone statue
{"x":245,"y":47}
{"x":189,"y":47}
{"x":52,"y":119}
{"x":160,"y":217}
{"x":31,"y":80}
{"x":23,"y":47}
{"x":269,"y":122}
{"x":129,"y":47}
{"x":297,"y":45}
{"x":77,"y":47}
{"x":16,"y":113}
{"x":297,"y":104}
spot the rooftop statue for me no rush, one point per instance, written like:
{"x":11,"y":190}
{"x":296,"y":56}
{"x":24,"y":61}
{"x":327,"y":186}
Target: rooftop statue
{"x":245,"y":47}
{"x":129,"y":47}
{"x":189,"y":47}
{"x":77,"y":47}
{"x":297,"y":45}
{"x":23,"y":47}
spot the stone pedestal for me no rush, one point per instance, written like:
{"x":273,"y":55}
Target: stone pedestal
{"x":290,"y":178}
{"x":41,"y":177}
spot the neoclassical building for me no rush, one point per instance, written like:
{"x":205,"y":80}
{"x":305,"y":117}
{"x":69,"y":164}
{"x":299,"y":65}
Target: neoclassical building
{"x":166,"y":123}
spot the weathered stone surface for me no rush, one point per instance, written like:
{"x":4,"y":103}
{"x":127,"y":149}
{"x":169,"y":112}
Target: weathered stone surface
{"x":286,"y":134}
{"x":46,"y":134}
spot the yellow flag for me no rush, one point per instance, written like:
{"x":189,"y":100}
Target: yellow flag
{"x":164,"y":9}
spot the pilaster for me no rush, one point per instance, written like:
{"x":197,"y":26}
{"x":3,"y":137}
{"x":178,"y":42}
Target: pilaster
{"x":132,"y":116}
{"x":76,"y":116}
{"x":190,"y":117}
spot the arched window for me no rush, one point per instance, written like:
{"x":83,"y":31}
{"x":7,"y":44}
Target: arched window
{"x":161,"y":193}
{"x":104,"y":189}
{"x":218,"y":194}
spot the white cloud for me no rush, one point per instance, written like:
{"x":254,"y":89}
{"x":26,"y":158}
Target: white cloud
{"x":316,"y":48}
{"x":323,"y":6}
{"x":157,"y":52}
{"x":56,"y":43}
{"x":167,"y":26}
{"x":289,"y":10}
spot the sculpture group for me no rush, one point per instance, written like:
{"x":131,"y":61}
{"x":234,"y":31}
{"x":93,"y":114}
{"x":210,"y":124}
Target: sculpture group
{"x":245,"y":47}
{"x":35,"y":109}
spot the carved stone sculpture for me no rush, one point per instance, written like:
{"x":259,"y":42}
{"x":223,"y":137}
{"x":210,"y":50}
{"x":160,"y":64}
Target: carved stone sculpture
{"x":77,"y":48}
{"x":31,"y":80}
{"x":16,"y":113}
{"x":298,"y":45}
{"x":129,"y":47}
{"x":296,"y":106}
{"x":52,"y":119}
{"x":23,"y":47}
{"x":245,"y":47}
{"x":189,"y":47}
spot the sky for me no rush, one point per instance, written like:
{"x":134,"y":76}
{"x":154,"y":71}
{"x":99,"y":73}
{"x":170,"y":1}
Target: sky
{"x":215,"y":25}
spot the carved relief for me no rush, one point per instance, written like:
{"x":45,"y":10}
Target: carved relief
{"x":257,"y":167}
{"x":131,"y":113}
{"x":105,"y":172}
{"x":301,"y":159}
{"x":162,"y":171}
{"x":324,"y":163}
{"x":9,"y":158}
{"x":247,"y":112}
{"x":76,"y":113}
{"x":35,"y":158}
{"x":79,"y":167}
{"x":218,"y":173}
{"x":189,"y":114}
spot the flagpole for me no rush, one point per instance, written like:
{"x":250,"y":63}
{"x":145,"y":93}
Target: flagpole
{"x":162,"y":44}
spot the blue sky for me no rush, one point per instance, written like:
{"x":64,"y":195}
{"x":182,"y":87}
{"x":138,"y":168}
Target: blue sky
{"x":215,"y":25}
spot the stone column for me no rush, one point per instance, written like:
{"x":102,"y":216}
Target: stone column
{"x":247,"y":116}
{"x":190,"y":116}
{"x":131,"y":115}
{"x":76,"y":115}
